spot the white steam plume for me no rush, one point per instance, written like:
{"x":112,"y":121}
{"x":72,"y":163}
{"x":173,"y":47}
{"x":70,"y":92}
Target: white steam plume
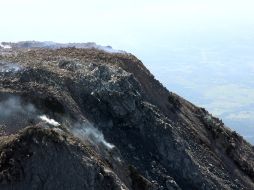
{"x":87,"y":131}
{"x":5,"y":46}
{"x":16,"y":114}
{"x":49,"y":121}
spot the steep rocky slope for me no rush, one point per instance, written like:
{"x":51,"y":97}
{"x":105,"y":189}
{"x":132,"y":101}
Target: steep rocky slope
{"x":75,"y":118}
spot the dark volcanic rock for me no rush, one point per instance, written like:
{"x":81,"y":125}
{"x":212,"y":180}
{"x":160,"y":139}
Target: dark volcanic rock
{"x":44,"y":159}
{"x":142,"y":136}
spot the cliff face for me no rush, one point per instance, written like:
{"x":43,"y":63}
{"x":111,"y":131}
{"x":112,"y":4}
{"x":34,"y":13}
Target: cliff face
{"x":88,"y":119}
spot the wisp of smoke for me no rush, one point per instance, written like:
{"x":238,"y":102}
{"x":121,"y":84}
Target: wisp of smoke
{"x":49,"y":121}
{"x":13,"y":106}
{"x":9,"y":67}
{"x":107,"y":49}
{"x":5,"y":46}
{"x":15,"y":114}
{"x":87,"y":131}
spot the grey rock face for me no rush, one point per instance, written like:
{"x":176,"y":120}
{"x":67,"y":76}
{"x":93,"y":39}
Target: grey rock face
{"x":44,"y":159}
{"x":160,"y":141}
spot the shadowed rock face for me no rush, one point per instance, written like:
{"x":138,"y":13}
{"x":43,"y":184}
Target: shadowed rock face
{"x":143,"y":136}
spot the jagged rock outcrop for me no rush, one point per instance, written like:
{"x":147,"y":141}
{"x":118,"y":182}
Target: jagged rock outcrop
{"x":147,"y":137}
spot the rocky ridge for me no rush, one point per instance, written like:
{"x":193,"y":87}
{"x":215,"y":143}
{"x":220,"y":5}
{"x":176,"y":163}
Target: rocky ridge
{"x":119,"y":128}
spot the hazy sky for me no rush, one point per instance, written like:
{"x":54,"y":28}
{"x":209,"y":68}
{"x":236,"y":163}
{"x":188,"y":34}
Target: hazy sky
{"x":128,"y":25}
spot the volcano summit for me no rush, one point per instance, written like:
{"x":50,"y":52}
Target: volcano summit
{"x":83,"y":116}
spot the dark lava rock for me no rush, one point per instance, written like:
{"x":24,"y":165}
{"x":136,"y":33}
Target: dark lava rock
{"x":110,"y":125}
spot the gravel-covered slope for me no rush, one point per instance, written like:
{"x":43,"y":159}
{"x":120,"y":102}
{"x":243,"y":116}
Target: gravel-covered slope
{"x":145,"y":136}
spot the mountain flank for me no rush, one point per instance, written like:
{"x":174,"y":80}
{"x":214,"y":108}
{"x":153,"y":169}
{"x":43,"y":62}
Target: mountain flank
{"x":84,"y":117}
